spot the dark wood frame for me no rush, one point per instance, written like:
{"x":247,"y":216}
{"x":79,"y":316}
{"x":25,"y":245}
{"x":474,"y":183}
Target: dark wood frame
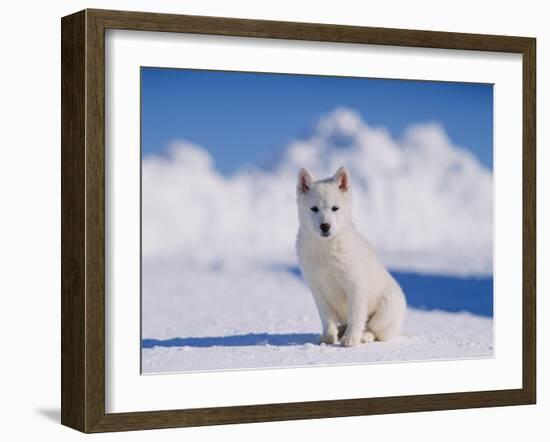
{"x":83,"y":220}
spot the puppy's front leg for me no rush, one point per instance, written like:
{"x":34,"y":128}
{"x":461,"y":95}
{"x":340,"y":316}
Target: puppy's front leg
{"x":328,"y":319}
{"x":357,"y":316}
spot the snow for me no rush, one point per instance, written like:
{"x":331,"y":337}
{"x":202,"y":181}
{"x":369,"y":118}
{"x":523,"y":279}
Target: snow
{"x":217,"y":291}
{"x":424,"y":203}
{"x":247,"y":319}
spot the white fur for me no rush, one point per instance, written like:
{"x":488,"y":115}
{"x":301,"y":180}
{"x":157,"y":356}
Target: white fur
{"x":358,"y":300}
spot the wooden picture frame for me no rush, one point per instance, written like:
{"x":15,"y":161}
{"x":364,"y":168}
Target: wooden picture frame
{"x":83,"y":220}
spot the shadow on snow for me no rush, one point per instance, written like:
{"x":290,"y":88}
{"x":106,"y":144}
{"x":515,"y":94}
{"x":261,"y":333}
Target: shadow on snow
{"x":442,"y":292}
{"x":281,"y":340}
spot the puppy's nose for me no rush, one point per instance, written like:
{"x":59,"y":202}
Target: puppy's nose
{"x":325,"y":227}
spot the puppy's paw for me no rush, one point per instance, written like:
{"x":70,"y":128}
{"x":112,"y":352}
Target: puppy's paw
{"x":367,"y":337}
{"x":349,"y":341}
{"x":328,"y":338}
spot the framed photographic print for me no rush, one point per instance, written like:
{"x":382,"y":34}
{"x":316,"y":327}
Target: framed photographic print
{"x":270,"y":220}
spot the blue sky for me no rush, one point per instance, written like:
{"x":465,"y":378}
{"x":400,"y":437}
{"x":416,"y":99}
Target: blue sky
{"x":243,"y":118}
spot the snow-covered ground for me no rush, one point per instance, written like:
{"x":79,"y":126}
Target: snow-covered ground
{"x":218,"y":292}
{"x":242,"y":318}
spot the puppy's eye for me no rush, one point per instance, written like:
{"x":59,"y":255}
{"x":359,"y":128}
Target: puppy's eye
{"x":314,"y":209}
{"x":335,"y":208}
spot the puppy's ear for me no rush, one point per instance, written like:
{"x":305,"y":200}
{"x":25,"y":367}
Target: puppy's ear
{"x":341,"y":178}
{"x":305,"y":178}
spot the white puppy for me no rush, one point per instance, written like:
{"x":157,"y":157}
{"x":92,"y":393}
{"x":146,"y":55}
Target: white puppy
{"x":358,"y":300}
